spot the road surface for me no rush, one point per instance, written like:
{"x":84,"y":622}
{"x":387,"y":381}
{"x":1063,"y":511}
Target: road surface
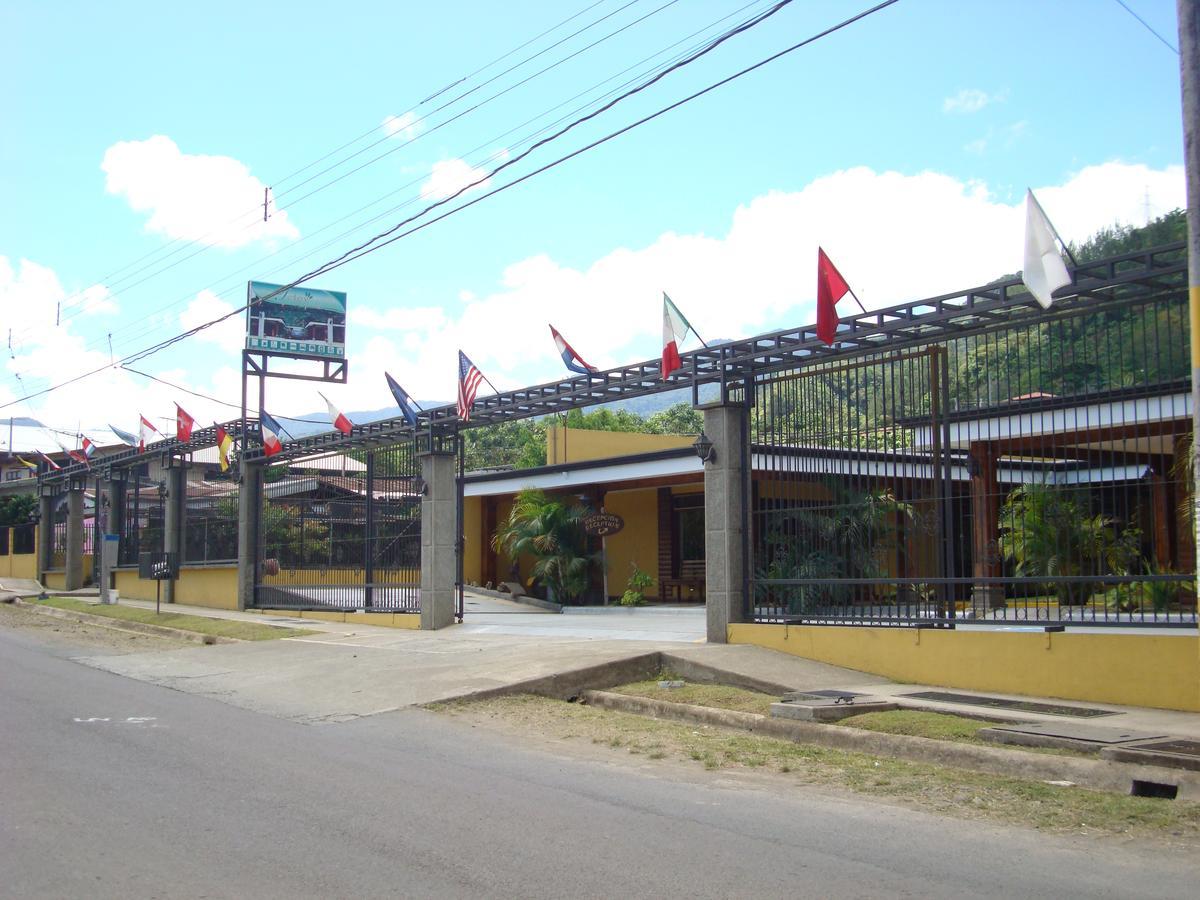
{"x":111,"y":787}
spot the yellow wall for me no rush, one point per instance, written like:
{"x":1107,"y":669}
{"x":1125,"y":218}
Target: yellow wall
{"x":1129,"y":669}
{"x":211,"y":586}
{"x":55,"y":581}
{"x":17,"y":565}
{"x":473,"y":548}
{"x":577,"y":444}
{"x":382,"y":619}
{"x":637,"y":542}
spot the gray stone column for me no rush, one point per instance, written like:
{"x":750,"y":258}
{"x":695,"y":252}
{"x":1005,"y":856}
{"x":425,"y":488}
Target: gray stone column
{"x":726,"y":493}
{"x":249,"y":506}
{"x":45,"y":534}
{"x":74,"y":574}
{"x":173,"y":520}
{"x":439,"y":539}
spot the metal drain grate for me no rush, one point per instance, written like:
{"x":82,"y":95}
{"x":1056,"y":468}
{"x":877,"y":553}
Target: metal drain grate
{"x":1048,"y":709}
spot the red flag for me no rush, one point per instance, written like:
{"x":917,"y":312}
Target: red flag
{"x":183,"y":424}
{"x":831,"y":287}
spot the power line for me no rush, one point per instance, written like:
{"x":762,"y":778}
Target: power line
{"x":377,"y":243}
{"x":253,"y":211}
{"x":412,"y":200}
{"x":1147,"y":26}
{"x":210,"y":397}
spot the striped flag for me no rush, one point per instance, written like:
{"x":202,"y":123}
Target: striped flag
{"x":26,"y":463}
{"x":183,"y":424}
{"x":675,"y":330}
{"x":403,"y":400}
{"x":48,"y":461}
{"x":75,"y":455}
{"x":88,"y":448}
{"x":468,"y":384}
{"x":339,"y":419}
{"x":145,"y":430}
{"x":224,"y":442}
{"x":570,"y":358}
{"x":271,"y":431}
{"x":124,"y":436}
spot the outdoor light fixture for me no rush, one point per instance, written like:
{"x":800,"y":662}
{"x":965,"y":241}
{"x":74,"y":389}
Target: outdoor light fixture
{"x":704,"y":448}
{"x":420,"y":486}
{"x":162,"y":491}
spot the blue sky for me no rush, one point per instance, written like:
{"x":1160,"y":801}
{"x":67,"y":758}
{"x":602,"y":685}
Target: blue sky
{"x":903,"y":144}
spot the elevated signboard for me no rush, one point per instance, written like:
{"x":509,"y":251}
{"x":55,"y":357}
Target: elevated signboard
{"x":302,"y":322}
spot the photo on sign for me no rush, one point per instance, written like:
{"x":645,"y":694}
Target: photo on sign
{"x":298,"y":321}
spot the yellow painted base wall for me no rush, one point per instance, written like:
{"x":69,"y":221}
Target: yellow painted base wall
{"x":55,"y":581}
{"x":18,"y":565}
{"x":382,"y":619}
{"x":1161,"y":671}
{"x":211,"y":586}
{"x":473,"y":548}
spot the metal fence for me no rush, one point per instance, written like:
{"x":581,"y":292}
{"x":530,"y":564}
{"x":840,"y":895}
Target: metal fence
{"x":210,"y":514}
{"x":1029,"y":472}
{"x":58,"y":534}
{"x":342,"y":532}
{"x":142,"y":520}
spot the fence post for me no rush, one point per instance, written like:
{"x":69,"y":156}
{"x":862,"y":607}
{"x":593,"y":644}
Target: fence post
{"x":439,"y":538}
{"x":45,"y":532}
{"x":249,"y":508}
{"x":73,"y":579}
{"x":726,"y":486}
{"x":174,"y":520}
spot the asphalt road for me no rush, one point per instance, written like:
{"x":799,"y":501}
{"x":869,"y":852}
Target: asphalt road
{"x":111,"y":787}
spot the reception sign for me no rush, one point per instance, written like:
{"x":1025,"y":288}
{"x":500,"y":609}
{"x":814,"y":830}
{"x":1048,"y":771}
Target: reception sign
{"x":302,"y":322}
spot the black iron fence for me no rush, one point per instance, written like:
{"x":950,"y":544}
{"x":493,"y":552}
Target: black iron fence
{"x":210,"y":527}
{"x":1033,"y":471}
{"x":58,"y":534}
{"x":142,"y":520}
{"x":342,"y":532}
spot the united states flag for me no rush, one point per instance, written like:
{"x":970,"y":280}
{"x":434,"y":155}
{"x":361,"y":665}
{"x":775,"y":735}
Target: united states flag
{"x":468,"y":383}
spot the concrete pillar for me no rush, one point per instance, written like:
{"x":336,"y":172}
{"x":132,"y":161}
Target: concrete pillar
{"x":726,"y":494}
{"x":439,"y":539}
{"x":986,"y":561}
{"x":74,"y":574}
{"x":45,"y":534}
{"x":173,"y":520}
{"x":249,"y":508}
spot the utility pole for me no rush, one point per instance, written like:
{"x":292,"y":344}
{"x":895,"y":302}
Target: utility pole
{"x":1189,"y":79}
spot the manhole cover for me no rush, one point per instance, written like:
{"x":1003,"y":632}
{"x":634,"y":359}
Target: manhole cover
{"x":1049,"y":709}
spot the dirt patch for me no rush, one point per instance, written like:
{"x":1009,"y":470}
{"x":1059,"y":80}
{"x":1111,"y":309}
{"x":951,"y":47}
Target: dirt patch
{"x":719,"y":696}
{"x":77,"y":635}
{"x":936,"y":789}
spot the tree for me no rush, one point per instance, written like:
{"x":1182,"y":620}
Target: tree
{"x":17,"y":509}
{"x":551,"y":531}
{"x":682,"y":418}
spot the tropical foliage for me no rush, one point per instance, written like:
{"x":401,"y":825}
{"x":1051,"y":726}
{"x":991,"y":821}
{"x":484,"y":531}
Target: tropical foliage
{"x":551,"y":531}
{"x":1047,"y":533}
{"x":17,"y":509}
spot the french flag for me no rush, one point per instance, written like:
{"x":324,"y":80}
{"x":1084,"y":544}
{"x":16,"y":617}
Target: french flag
{"x":570,"y":358}
{"x":271,"y":431}
{"x":339,"y":419}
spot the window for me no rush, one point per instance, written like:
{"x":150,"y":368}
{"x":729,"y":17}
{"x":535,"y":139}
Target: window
{"x":687,"y":523}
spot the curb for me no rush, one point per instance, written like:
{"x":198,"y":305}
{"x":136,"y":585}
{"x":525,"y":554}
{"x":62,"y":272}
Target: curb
{"x":126,"y":625}
{"x":1091,"y":774}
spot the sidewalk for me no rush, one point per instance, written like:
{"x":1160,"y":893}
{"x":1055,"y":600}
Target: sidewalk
{"x":347,"y":670}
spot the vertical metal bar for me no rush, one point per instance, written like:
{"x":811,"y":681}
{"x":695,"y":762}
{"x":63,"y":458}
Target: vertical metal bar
{"x":947,"y":487}
{"x":460,"y":446}
{"x":369,"y":542}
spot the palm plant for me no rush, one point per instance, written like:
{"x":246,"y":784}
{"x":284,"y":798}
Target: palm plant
{"x":551,"y":531}
{"x":1046,"y":534}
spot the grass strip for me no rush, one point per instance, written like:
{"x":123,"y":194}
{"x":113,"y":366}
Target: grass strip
{"x":229,"y":628}
{"x":719,"y":696}
{"x":937,"y":789}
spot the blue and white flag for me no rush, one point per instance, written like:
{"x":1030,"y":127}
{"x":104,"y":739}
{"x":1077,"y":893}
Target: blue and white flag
{"x":124,"y":436}
{"x":403,"y":400}
{"x":271,"y":432}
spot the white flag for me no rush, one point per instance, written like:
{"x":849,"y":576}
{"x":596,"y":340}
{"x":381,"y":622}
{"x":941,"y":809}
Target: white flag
{"x":1044,"y":269}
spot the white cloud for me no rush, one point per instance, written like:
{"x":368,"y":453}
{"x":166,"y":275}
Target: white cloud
{"x":229,"y":335}
{"x":213,"y":200}
{"x":407,"y":126}
{"x":449,"y":176}
{"x":895,"y":237}
{"x":968,"y":100}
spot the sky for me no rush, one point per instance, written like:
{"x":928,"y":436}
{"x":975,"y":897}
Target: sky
{"x":136,"y":141}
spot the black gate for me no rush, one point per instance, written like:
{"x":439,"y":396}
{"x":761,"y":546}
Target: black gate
{"x":1035,"y":469}
{"x":341,"y":532}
